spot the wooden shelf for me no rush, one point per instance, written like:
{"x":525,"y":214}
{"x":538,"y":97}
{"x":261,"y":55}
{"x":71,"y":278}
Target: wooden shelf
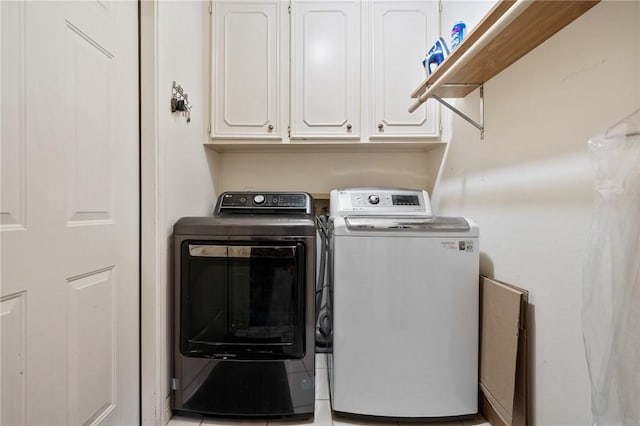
{"x":537,"y":23}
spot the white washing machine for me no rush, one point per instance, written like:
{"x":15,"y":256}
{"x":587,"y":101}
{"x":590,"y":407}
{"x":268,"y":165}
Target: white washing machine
{"x":405,"y":307}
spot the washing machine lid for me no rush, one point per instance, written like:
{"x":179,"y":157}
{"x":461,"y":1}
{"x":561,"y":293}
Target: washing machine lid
{"x":411,"y":224}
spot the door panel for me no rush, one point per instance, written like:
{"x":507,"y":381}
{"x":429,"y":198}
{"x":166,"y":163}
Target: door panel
{"x":402,"y":34}
{"x":91,"y":318}
{"x":89,"y":85}
{"x":13,"y":179}
{"x":325,"y":62}
{"x":247,"y":63}
{"x":325,"y":59}
{"x":245,"y":32}
{"x":12,"y":315}
{"x":70,"y":222}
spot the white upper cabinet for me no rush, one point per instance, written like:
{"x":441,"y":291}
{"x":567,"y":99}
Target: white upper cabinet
{"x":249,"y":58}
{"x":401,"y":34}
{"x":335,"y":70}
{"x":325,"y":64}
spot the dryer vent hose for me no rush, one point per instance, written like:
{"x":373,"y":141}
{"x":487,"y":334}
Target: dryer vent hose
{"x":323,"y":324}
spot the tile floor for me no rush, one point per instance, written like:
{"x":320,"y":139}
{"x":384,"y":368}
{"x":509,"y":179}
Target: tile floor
{"x":323,"y":414}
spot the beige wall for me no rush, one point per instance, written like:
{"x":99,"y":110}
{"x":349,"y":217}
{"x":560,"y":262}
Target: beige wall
{"x":320,"y":172}
{"x":528,"y":184}
{"x":176,"y":174}
{"x":185,"y":184}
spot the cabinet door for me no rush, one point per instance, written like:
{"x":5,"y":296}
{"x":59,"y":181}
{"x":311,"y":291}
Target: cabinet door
{"x":402,"y":33}
{"x":247,"y":43}
{"x":325,"y":99}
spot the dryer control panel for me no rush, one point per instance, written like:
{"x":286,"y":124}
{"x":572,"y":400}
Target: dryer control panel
{"x":240,"y":202}
{"x":379,"y":201}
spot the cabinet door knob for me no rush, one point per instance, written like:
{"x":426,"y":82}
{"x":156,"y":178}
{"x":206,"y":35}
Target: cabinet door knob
{"x":380,"y":126}
{"x":349,"y":126}
{"x":270,"y":126}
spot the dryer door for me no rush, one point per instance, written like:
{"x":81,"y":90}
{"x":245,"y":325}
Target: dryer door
{"x":242,"y":300}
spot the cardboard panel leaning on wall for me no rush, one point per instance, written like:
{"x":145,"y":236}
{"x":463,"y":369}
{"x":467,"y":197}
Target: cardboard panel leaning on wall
{"x":503,"y":353}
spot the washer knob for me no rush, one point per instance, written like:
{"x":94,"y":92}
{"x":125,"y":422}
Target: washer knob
{"x":374,"y":199}
{"x":258,"y":199}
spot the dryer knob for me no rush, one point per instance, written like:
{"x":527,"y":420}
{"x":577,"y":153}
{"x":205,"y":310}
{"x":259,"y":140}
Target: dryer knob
{"x":374,"y":199}
{"x":258,"y":199}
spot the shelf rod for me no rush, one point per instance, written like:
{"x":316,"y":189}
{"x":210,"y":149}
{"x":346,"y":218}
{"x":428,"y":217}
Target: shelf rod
{"x":506,"y":19}
{"x":479,"y":126}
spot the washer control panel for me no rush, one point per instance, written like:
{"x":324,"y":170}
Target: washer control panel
{"x":379,"y":201}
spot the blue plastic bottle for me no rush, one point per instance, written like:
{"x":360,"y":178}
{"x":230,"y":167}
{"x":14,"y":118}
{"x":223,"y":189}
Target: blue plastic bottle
{"x":457,"y":34}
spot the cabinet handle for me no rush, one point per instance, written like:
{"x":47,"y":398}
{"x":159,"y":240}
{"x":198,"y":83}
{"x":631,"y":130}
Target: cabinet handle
{"x":270,"y":127}
{"x":349,"y":127}
{"x":380,"y":126}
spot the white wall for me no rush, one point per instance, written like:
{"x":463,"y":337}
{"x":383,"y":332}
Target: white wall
{"x":320,"y":172}
{"x":529,"y":185}
{"x":468,"y":11}
{"x":177,"y":172}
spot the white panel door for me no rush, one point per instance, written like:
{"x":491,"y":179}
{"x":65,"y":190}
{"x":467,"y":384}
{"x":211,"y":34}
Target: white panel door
{"x":69,"y":213}
{"x":402,"y":33}
{"x":325,"y":62}
{"x":248,"y":59}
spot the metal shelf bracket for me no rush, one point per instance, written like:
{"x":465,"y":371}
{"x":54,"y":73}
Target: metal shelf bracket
{"x":479,"y":126}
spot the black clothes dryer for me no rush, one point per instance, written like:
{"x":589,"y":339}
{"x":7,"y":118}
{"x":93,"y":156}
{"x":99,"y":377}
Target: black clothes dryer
{"x":244,"y":308}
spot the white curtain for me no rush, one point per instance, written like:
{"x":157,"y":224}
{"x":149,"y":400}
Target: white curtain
{"x":611,"y":281}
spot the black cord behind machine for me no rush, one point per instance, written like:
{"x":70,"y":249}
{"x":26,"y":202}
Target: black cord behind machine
{"x":323,"y":324}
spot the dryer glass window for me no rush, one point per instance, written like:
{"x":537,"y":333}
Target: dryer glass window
{"x":242,"y":300}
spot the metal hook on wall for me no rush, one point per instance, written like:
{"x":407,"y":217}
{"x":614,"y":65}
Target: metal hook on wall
{"x":180,"y":101}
